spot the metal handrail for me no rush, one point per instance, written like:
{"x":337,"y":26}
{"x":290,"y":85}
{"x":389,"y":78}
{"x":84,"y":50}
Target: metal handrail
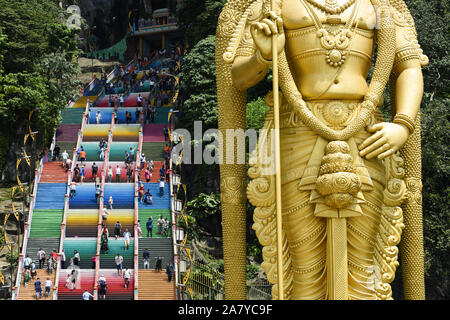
{"x":101,"y":204}
{"x":136,"y":214}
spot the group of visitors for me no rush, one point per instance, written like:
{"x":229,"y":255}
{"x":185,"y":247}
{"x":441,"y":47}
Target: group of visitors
{"x":158,"y":264}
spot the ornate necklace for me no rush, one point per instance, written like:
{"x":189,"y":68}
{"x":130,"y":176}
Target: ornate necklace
{"x":331,"y":6}
{"x":334,"y":41}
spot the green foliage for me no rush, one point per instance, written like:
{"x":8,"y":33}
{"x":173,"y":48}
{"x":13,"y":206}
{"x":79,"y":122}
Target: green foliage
{"x":218,"y":265}
{"x":198,"y":18}
{"x":256,"y":112}
{"x":199,"y":82}
{"x":436,"y":195}
{"x":252,"y":271}
{"x":3,"y":39}
{"x":190,"y":228}
{"x":2,"y":237}
{"x":431,"y":19}
{"x":204,"y":205}
{"x":37,"y":69}
{"x":12,"y":258}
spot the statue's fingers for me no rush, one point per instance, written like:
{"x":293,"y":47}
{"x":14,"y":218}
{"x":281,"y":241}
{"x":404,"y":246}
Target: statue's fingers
{"x":370,"y":140}
{"x":266,"y":29}
{"x":280,"y":26}
{"x":272,"y":25}
{"x":375,"y":127}
{"x":386,"y":154}
{"x":378,"y":143}
{"x":272,"y":15}
{"x":385,"y":147}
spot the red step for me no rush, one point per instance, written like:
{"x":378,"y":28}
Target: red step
{"x":156,"y":166}
{"x":53,"y":173}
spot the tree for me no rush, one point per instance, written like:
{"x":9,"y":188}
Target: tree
{"x":256,"y":113}
{"x":198,"y":18}
{"x":37,"y":72}
{"x":198,"y":80}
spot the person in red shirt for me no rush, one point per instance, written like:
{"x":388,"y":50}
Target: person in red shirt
{"x":141,"y":192}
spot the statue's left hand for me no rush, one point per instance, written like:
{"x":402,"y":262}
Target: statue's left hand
{"x":387,"y":139}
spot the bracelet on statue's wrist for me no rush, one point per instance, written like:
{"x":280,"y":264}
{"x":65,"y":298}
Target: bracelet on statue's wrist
{"x":405,"y":120}
{"x":261,"y":59}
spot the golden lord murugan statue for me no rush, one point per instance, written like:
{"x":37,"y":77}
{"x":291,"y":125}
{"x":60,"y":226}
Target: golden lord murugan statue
{"x":350,"y":181}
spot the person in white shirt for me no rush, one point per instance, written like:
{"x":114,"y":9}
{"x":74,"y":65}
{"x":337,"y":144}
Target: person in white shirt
{"x":110,"y":174}
{"x":88,"y":116}
{"x":102,"y":287}
{"x":27,"y":262}
{"x":41,"y":257}
{"x":110,"y":202}
{"x":161,"y":187}
{"x":64,"y":156}
{"x":160,"y":225}
{"x":126,"y":277}
{"x":118,"y":172}
{"x":166,"y":227}
{"x":87,"y":295}
{"x":102,"y":154}
{"x":98,"y":117}
{"x":48,"y":286}
{"x":121,"y":100}
{"x":119,"y":260}
{"x":68,"y":164}
{"x":105,"y":214}
{"x":63,"y":259}
{"x":76,"y":257}
{"x":126,"y":238}
{"x":142,"y":161}
{"x":73,"y":189}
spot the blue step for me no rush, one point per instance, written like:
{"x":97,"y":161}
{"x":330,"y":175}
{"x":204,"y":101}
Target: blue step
{"x":106,"y":115}
{"x":84,"y":197}
{"x":51,"y":195}
{"x":158,"y":202}
{"x":122,"y":193}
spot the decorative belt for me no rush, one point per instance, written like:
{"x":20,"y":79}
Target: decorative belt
{"x":335,"y":114}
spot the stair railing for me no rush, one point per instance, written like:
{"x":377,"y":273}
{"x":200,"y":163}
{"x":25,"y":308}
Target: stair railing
{"x":136,"y":214}
{"x":101,"y":202}
{"x":37,"y":177}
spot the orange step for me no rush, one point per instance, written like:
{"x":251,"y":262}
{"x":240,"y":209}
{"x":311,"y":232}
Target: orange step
{"x":28,"y":292}
{"x":53,"y":173}
{"x":154,"y":286}
{"x":156,"y":166}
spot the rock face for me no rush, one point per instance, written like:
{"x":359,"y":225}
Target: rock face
{"x":110,"y":18}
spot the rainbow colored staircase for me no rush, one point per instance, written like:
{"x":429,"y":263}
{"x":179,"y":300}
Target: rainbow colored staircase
{"x":68,"y":224}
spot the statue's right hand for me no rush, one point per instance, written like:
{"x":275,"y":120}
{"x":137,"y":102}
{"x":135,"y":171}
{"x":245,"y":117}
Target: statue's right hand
{"x":263,"y":31}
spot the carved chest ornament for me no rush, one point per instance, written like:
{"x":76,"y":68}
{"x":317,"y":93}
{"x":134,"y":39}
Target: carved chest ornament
{"x":334,"y":37}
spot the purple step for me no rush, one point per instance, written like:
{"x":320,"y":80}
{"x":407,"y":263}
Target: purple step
{"x":67,"y":132}
{"x":154,"y":133}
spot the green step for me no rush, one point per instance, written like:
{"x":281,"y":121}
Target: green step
{"x":162,"y":115}
{"x":87,"y":248}
{"x":92,"y":151}
{"x":72,"y":115}
{"x":154,"y":150}
{"x":117,"y":151}
{"x":117,"y":246}
{"x":144,"y":214}
{"x":46,"y":223}
{"x":68,"y":146}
